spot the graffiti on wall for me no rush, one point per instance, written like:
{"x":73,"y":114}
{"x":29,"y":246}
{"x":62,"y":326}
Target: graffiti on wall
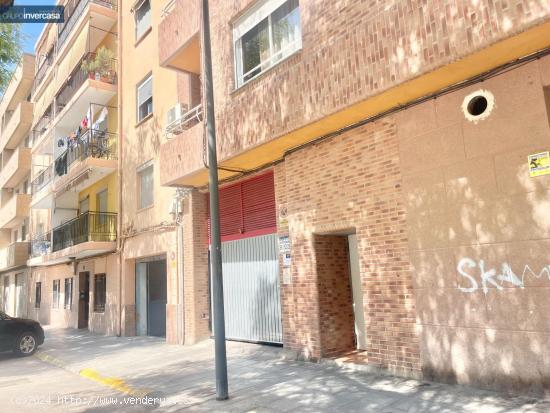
{"x":475,"y":275}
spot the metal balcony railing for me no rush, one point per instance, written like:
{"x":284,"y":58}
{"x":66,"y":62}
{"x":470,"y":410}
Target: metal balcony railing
{"x":168,"y":7}
{"x":79,"y":76}
{"x":41,"y":244}
{"x":92,"y":144}
{"x":41,"y":73}
{"x":43,"y":124}
{"x":72,"y":15}
{"x":42,"y":179}
{"x":89,"y":226}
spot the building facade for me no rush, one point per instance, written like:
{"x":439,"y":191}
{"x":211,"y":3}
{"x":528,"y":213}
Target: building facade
{"x":75,"y":170}
{"x":396,"y":146}
{"x":15,"y":142}
{"x":384,"y":196}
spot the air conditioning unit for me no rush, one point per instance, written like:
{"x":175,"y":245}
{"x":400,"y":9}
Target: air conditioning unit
{"x":174,"y":114}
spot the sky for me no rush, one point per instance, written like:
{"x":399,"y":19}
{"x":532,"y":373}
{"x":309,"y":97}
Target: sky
{"x":32,"y":30}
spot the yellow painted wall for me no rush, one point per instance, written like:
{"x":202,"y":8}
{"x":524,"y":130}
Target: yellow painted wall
{"x":111,"y":183}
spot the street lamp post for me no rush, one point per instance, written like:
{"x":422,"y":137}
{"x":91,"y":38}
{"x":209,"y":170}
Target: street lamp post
{"x":215,"y":252}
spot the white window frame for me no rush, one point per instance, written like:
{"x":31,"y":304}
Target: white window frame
{"x":263,"y":9}
{"x":140,"y":171}
{"x":148,"y":78}
{"x":139,"y":4}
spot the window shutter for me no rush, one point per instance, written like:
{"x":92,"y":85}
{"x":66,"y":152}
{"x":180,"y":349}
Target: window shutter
{"x":247,"y":208}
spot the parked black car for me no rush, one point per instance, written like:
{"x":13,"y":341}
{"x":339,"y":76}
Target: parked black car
{"x":20,"y":335}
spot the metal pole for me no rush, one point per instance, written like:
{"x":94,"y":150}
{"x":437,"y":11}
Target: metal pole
{"x":216,"y":253}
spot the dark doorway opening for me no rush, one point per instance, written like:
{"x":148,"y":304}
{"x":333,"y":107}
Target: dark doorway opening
{"x":83,"y":299}
{"x":341,"y":314}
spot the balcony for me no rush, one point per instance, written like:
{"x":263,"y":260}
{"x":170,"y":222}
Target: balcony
{"x":89,"y":234}
{"x":179,"y":36}
{"x":13,"y":212}
{"x":93,"y":156}
{"x":102,"y":12}
{"x":73,"y":99}
{"x":41,"y":132}
{"x":14,"y":255}
{"x":20,"y":84}
{"x":18,"y":126}
{"x":41,"y":189}
{"x":187,"y":138}
{"x":17,"y":167}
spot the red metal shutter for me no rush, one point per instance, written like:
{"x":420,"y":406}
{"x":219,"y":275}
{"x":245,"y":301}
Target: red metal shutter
{"x":247,"y":208}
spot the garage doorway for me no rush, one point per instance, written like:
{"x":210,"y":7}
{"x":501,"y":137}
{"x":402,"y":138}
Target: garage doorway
{"x":151,"y":297}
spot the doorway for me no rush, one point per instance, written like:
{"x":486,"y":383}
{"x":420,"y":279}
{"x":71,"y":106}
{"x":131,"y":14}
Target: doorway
{"x":83,"y":299}
{"x":341,"y":314}
{"x":20,"y":295}
{"x":151,"y":298}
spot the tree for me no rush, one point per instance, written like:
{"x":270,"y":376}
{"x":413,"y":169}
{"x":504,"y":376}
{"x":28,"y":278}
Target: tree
{"x":10,"y":51}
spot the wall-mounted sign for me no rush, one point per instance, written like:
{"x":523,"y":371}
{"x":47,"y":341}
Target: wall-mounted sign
{"x":284,"y":244}
{"x":539,"y":164}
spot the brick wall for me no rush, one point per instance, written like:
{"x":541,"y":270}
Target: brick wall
{"x":336,"y":319}
{"x":351,"y":183}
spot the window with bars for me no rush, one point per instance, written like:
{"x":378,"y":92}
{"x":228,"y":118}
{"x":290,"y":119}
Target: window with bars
{"x":100,"y":292}
{"x":38,"y":295}
{"x":55,"y":293}
{"x":68,"y":293}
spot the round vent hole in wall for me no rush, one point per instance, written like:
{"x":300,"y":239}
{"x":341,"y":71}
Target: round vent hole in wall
{"x":478,"y":105}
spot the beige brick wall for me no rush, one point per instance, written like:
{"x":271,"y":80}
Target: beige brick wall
{"x":469,"y":197}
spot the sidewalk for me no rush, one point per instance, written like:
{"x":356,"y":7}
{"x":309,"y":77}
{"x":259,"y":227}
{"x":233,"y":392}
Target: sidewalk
{"x":260,"y":379}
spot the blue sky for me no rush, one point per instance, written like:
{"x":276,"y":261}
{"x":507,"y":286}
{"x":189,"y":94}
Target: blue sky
{"x":32,"y":30}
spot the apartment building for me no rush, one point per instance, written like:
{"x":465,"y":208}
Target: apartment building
{"x":15,"y":141}
{"x":75,"y":168}
{"x":385,"y":196}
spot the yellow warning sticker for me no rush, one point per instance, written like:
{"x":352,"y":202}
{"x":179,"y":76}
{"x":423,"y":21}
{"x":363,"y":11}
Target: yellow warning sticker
{"x":539,"y":164}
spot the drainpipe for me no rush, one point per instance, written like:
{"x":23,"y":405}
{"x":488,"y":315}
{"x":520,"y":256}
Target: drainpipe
{"x":181,"y":287}
{"x":120,"y":170}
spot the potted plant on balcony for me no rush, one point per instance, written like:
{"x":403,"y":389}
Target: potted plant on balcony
{"x":100,"y":67}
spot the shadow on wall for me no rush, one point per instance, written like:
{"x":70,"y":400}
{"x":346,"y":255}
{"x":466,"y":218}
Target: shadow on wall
{"x":479,"y":234}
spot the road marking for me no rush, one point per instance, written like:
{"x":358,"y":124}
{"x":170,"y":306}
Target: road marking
{"x":114,"y":383}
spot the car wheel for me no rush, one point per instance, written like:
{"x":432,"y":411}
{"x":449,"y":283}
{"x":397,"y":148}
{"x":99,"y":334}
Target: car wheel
{"x":26,"y":344}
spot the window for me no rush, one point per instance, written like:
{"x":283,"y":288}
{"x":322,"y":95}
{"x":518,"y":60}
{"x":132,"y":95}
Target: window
{"x":146,"y":185}
{"x":264,"y":36}
{"x":145,"y":98}
{"x":38,"y":295}
{"x":55,"y":293}
{"x":142,"y":11}
{"x":68,"y":293}
{"x":100,"y":289}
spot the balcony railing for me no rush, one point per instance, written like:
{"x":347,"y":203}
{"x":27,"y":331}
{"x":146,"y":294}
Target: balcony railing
{"x":89,"y":226}
{"x":92,"y":144}
{"x":15,"y":254}
{"x":41,"y":244}
{"x":42,"y":179}
{"x":42,"y":125}
{"x":79,"y":76}
{"x":168,"y":7}
{"x":40,"y":74}
{"x":72,"y":17}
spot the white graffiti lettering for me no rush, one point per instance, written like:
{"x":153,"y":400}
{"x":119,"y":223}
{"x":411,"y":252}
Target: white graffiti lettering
{"x":490,"y":278}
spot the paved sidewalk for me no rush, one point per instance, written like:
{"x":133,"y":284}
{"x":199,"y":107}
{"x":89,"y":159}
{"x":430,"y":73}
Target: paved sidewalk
{"x":260,"y":380}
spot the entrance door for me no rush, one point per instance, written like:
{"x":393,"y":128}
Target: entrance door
{"x":19,"y":295}
{"x":357,"y":293}
{"x":251,"y":289}
{"x":83,"y":299}
{"x":151,"y":298}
